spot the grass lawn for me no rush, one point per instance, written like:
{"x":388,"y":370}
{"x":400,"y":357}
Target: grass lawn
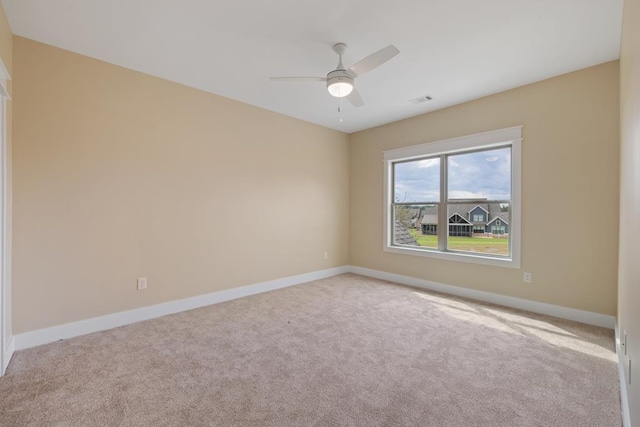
{"x":485,"y":245}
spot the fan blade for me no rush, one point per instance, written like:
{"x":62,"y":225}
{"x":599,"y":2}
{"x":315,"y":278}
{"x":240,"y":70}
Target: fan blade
{"x":355,"y":98}
{"x":298,"y":79}
{"x":372,"y":61}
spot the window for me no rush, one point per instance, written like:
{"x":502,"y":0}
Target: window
{"x":497,"y":229}
{"x":434,"y":191}
{"x":478,"y":228}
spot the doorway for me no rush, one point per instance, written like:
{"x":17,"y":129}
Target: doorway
{"x":6,"y":336}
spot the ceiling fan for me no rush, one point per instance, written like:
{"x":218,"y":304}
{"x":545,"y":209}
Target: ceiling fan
{"x":340,"y":82}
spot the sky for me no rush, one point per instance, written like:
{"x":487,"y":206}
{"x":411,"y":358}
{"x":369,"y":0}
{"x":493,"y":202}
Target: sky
{"x":483,"y":174}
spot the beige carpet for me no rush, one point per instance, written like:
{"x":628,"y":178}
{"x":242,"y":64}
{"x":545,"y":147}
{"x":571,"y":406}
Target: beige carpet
{"x":344,"y":351}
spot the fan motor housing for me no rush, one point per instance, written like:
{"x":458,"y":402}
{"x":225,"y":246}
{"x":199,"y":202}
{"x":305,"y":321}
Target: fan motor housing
{"x":339,"y":76}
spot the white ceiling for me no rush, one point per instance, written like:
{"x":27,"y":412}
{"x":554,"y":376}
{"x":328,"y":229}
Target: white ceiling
{"x":453,"y":50}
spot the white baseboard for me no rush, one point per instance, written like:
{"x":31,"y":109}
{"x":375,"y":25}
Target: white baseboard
{"x":624,"y":400}
{"x":581,"y":316}
{"x":70,"y":330}
{"x":7,"y":355}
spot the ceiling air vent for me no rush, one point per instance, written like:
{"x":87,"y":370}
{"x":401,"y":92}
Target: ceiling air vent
{"x":421,"y":99}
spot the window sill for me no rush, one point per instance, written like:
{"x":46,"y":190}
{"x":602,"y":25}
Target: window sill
{"x":456,"y":256}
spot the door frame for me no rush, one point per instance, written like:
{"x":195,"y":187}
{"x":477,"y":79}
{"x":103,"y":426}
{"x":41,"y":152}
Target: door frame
{"x":6,"y":337}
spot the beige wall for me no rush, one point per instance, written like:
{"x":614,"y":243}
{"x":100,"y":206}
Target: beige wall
{"x":119,"y":175}
{"x":629,"y":273}
{"x":6,"y":41}
{"x":569,"y":193}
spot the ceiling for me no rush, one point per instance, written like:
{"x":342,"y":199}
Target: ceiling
{"x":454,"y":51}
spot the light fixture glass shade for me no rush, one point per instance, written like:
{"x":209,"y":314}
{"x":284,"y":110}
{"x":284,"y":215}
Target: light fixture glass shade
{"x":340,"y":89}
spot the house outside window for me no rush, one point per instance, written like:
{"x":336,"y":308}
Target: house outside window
{"x":497,"y":229}
{"x":459,"y":199}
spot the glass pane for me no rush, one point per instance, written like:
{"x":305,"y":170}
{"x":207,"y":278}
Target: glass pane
{"x":416,"y":225}
{"x":479,"y":227}
{"x":417,"y":181}
{"x":480,"y":175}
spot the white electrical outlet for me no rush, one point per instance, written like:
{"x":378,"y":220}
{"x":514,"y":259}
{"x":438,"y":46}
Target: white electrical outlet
{"x":326,"y":255}
{"x":142,"y":283}
{"x":527,"y":277}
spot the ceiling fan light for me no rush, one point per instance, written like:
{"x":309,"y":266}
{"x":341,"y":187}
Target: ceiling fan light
{"x":340,"y":89}
{"x":339,"y":83}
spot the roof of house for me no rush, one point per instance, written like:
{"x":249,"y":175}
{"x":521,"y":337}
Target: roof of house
{"x":462,"y":217}
{"x":500,"y":218}
{"x":429,"y":219}
{"x":401,"y":235}
{"x":477,"y":206}
{"x":430,"y":213}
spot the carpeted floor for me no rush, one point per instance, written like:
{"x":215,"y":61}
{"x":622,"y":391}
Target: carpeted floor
{"x":344,"y":351}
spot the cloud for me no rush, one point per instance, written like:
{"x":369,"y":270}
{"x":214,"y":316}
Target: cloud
{"x":465,"y":195}
{"x":428,"y":163}
{"x":482,"y":175}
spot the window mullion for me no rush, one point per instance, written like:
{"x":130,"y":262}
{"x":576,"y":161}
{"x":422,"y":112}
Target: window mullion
{"x":443,"y":226}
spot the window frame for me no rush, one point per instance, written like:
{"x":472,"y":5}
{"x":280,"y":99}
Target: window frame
{"x":481,"y":141}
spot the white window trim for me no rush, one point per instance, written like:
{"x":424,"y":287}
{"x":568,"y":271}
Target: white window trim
{"x":490,"y":139}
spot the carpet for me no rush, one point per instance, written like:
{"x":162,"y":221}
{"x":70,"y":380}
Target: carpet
{"x":342,"y":351}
